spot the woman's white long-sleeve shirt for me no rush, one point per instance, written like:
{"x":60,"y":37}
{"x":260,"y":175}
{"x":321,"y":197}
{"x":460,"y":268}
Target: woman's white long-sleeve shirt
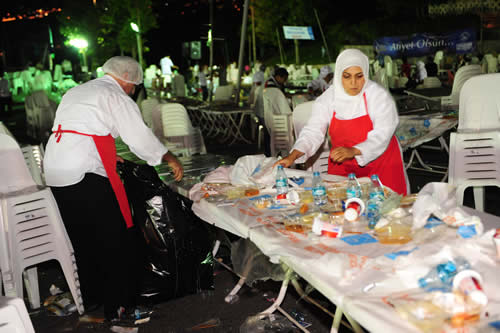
{"x":381,"y":109}
{"x":98,"y":107}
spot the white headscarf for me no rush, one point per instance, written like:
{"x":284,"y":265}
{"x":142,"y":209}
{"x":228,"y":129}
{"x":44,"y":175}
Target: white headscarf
{"x":349,"y":58}
{"x":421,"y":71}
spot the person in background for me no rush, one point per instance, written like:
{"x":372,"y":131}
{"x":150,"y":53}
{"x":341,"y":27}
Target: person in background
{"x":421,"y":72}
{"x":166,"y":65}
{"x":323,"y":82}
{"x":5,"y":94}
{"x":80,"y":168}
{"x":202,"y":81}
{"x":406,"y":67}
{"x":278,"y":79}
{"x":431,"y":67}
{"x":361,"y":117}
{"x":257,"y":80}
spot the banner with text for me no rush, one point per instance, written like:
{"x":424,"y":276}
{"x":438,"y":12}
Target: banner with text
{"x":418,"y":45}
{"x":292,"y":32}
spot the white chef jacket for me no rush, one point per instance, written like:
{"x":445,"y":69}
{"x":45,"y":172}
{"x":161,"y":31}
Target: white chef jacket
{"x":166,"y":66}
{"x":97,"y":107}
{"x":381,"y":109}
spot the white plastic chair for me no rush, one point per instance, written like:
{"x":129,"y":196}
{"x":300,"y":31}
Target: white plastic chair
{"x":33,"y":156}
{"x":223,"y":92}
{"x":40,"y":114}
{"x":278,"y":120}
{"x":431,"y":82}
{"x":179,"y":85}
{"x":475,"y":147}
{"x":147,"y":107}
{"x":462,"y":75}
{"x":14,"y":317}
{"x":179,"y":134}
{"x":319,"y":161}
{"x":31,"y":228}
{"x":492,"y":63}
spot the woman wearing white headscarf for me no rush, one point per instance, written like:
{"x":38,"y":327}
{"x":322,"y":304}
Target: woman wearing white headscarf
{"x":362,"y":118}
{"x":421,"y":71}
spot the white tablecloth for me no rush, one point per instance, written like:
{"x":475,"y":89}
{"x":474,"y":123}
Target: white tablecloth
{"x":358,"y":277}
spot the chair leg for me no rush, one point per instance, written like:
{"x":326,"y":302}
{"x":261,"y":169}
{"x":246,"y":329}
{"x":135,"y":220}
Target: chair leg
{"x":460,"y":194}
{"x":479,"y":198}
{"x":30,"y":276}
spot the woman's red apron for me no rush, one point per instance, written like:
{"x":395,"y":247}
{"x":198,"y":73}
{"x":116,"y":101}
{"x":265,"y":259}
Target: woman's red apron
{"x":107,"y":151}
{"x":388,"y":166}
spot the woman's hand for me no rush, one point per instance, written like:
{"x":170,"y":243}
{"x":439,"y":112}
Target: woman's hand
{"x":341,"y":154}
{"x":287,"y":161}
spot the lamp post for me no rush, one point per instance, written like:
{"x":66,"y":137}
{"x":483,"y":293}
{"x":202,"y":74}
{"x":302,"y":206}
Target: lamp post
{"x":82,"y":45}
{"x":135,"y":27}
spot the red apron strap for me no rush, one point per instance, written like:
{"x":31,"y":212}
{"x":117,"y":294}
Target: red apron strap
{"x":107,"y":151}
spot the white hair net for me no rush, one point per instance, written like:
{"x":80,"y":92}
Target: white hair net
{"x":258,"y":77}
{"x":125,"y":68}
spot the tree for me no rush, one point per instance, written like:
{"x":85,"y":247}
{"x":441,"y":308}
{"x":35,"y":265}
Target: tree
{"x":116,"y":19}
{"x":271,"y":15}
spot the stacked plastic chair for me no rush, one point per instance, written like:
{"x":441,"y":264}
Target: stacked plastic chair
{"x":14,"y":316}
{"x":223,"y":92}
{"x":278,"y":120}
{"x":475,"y":147}
{"x":319,"y":161}
{"x":40,"y":114}
{"x":179,"y":134}
{"x":462,"y":75}
{"x":147,"y":107}
{"x":31,"y":229}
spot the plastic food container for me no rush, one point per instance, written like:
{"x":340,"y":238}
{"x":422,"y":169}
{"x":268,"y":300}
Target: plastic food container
{"x":394,"y":231}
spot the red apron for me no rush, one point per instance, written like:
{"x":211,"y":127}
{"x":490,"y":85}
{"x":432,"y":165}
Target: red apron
{"x":107,"y":151}
{"x":388,"y":166}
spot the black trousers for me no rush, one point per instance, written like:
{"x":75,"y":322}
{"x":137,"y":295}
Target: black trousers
{"x":106,"y":251}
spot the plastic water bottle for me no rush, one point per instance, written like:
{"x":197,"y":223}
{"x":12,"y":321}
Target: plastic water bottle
{"x":353,"y":188}
{"x":441,"y":277}
{"x":376,"y":197}
{"x":281,"y":183}
{"x":318,"y":190}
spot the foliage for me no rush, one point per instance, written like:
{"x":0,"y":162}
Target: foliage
{"x":107,"y":26}
{"x":116,"y":19}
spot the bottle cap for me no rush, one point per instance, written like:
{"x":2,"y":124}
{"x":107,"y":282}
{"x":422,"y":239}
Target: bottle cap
{"x":280,"y":167}
{"x":316,"y":173}
{"x":351,"y":214}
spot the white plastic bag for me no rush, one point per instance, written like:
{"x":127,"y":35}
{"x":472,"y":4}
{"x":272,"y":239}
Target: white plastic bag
{"x":433,"y":198}
{"x":253,"y":170}
{"x":439,"y":199}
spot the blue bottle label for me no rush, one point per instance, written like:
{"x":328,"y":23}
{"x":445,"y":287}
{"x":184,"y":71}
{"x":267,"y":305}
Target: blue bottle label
{"x":319,"y":191}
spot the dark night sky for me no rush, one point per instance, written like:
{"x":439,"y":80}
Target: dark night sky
{"x":178,"y":22}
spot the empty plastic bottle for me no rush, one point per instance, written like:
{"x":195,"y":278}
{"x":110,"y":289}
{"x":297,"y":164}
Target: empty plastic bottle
{"x":376,"y":197}
{"x":353,"y":188}
{"x":281,"y":182}
{"x":441,"y":277}
{"x":318,"y":190}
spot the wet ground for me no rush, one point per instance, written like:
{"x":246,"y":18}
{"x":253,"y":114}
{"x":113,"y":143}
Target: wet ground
{"x":209,"y":308}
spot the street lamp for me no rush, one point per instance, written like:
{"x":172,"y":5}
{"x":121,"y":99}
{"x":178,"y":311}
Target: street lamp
{"x":135,"y":28}
{"x":82,"y":45}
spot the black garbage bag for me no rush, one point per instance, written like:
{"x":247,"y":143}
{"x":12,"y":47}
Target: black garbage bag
{"x":177,"y":245}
